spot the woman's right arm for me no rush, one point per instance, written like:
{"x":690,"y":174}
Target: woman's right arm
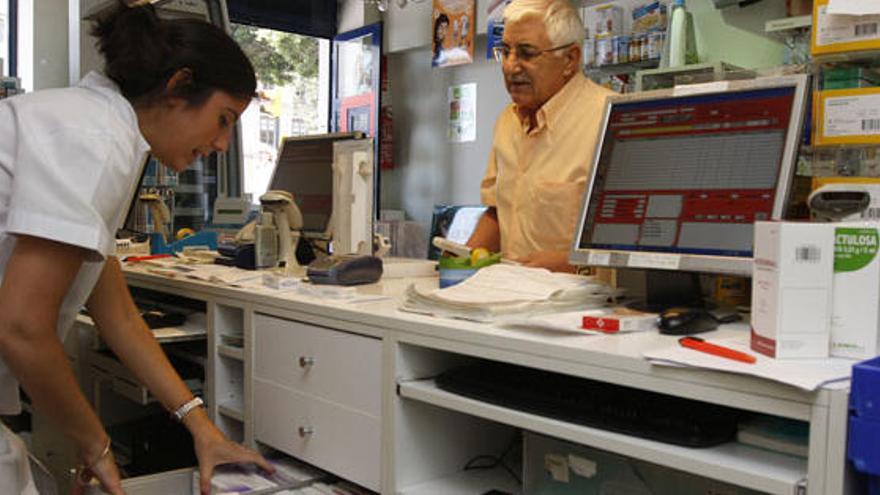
{"x":37,"y":278}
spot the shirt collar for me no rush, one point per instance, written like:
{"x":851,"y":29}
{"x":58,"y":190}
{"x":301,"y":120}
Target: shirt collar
{"x":99,"y":82}
{"x":549,"y":113}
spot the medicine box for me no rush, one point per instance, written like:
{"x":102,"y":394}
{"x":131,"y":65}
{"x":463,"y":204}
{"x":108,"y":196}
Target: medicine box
{"x":847,"y":116}
{"x":792,"y":289}
{"x":856,"y":309}
{"x":836,"y":33}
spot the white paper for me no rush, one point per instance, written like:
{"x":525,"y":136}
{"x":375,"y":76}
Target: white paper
{"x":557,"y":466}
{"x":853,"y":7}
{"x":651,"y":260}
{"x":568,"y":322}
{"x":695,"y":89}
{"x":806,"y":374}
{"x":463,"y":113}
{"x":582,"y":466}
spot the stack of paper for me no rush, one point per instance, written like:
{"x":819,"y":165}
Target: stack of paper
{"x":502,"y":290}
{"x":806,"y":374}
{"x":237,"y":479}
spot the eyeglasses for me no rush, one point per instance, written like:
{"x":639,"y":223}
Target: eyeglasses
{"x":524,"y":53}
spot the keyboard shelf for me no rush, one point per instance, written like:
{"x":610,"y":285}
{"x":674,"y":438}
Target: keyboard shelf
{"x":731,"y":462}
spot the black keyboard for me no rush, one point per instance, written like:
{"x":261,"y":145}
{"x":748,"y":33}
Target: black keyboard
{"x":596,"y":404}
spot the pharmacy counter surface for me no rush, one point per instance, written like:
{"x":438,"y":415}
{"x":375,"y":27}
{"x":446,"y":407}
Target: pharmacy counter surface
{"x":347,"y":385}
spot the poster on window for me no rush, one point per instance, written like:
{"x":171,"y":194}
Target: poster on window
{"x":463,"y":113}
{"x":495,"y":30}
{"x":453,"y":32}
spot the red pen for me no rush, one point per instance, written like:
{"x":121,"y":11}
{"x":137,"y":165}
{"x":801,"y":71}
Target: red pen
{"x":135,"y":259}
{"x":701,"y":345}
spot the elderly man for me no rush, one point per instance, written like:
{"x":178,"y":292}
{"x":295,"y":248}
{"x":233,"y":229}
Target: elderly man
{"x":544,"y":140}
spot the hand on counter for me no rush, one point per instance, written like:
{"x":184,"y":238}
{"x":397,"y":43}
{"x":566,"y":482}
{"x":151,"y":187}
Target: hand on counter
{"x":555,"y":261}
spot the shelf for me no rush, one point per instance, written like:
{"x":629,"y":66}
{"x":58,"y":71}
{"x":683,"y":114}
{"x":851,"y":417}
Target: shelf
{"x":467,"y":483}
{"x":627,"y":68}
{"x":231,"y":352}
{"x":232,"y":410}
{"x":732,"y":462}
{"x":788,"y":24}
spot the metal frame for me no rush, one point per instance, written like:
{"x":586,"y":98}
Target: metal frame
{"x":695,"y":262}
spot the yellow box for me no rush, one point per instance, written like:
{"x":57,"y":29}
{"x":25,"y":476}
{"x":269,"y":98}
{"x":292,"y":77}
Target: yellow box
{"x":847,"y":116}
{"x":843,"y":33}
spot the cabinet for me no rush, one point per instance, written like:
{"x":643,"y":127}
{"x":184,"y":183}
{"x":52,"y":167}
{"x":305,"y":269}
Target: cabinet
{"x":317,"y":396}
{"x":349,"y":388}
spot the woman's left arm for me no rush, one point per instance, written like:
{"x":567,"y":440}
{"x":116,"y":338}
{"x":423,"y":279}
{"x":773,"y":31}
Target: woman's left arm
{"x":124,"y":331}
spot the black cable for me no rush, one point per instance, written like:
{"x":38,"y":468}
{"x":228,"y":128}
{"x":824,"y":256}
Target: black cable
{"x":496,"y":461}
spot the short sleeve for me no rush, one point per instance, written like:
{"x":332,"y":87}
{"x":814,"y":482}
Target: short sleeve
{"x":57,"y":186}
{"x":489,"y":183}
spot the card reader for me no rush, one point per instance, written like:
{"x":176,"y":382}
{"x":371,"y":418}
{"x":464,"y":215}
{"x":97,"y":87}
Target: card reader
{"x":345,"y":269}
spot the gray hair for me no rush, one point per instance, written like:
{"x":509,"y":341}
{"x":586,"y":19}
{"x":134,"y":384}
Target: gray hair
{"x":563,"y":24}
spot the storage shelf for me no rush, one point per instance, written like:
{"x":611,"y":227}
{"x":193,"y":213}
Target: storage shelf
{"x":232,"y":410}
{"x":624,"y":68}
{"x":732,"y":462}
{"x":231,"y":352}
{"x":467,"y":483}
{"x":788,"y":24}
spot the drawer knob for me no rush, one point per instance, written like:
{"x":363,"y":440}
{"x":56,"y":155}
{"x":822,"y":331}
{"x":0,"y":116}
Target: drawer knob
{"x":306,"y":361}
{"x":306,"y":431}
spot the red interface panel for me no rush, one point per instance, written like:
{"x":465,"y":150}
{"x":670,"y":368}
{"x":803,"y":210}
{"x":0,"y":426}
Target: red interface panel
{"x":689,"y":174}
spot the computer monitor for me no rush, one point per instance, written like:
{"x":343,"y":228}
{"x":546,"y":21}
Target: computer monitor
{"x":680,"y":175}
{"x":305,"y":168}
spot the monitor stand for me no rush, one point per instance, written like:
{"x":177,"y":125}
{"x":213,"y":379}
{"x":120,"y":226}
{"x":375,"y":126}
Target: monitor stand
{"x":667,"y":289}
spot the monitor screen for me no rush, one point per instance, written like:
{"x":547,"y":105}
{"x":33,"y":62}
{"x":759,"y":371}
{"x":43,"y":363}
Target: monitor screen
{"x":305,"y":169}
{"x":689,"y":174}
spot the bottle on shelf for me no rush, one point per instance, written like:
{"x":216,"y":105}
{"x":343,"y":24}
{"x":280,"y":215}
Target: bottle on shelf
{"x":680,"y":44}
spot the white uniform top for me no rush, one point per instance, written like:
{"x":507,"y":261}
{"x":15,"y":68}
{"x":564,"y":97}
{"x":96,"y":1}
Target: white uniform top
{"x":70,"y":160}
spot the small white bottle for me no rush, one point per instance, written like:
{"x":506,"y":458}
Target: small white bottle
{"x":678,"y":34}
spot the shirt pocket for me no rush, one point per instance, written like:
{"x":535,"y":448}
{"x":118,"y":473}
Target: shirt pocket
{"x":553,"y":213}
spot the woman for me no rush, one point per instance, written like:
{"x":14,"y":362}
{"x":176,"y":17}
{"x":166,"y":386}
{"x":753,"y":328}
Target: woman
{"x":70,"y":160}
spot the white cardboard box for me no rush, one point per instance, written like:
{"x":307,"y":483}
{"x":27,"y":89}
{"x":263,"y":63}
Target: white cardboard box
{"x":856,"y":308}
{"x":792,"y":289}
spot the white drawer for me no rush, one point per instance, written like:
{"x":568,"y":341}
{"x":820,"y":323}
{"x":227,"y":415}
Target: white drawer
{"x":337,"y":366}
{"x":340,"y":440}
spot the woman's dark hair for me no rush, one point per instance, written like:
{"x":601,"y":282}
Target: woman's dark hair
{"x":441,"y":19}
{"x":142,"y":52}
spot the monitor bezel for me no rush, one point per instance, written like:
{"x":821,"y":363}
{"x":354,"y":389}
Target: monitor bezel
{"x":332,"y":136}
{"x":728,"y":265}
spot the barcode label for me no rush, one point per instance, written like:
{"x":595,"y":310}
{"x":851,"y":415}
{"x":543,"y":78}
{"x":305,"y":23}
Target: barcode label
{"x":862,"y":30}
{"x":871,"y":125}
{"x":807,"y":254}
{"x":871,"y":213}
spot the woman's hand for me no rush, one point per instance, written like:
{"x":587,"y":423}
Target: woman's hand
{"x":213,"y":449}
{"x":102,"y":466}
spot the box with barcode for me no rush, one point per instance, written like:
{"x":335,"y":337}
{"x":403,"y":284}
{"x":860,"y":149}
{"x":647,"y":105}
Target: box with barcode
{"x":837,"y":33}
{"x":869,"y":184}
{"x":847,"y":116}
{"x":856,"y":309}
{"x":792,"y":289}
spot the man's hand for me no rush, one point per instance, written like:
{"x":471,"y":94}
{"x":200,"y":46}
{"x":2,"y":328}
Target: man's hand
{"x":213,"y":449}
{"x":555,"y":261}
